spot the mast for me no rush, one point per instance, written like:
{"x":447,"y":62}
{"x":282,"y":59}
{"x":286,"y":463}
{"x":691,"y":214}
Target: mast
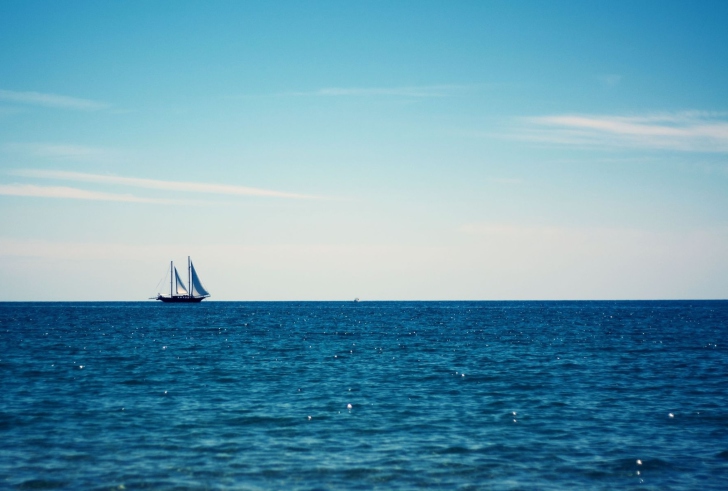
{"x":189,"y":276}
{"x":171,"y":277}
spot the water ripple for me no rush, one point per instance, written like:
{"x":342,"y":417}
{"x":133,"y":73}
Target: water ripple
{"x":374,"y":395}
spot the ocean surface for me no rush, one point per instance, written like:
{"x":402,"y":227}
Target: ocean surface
{"x":369,"y":395}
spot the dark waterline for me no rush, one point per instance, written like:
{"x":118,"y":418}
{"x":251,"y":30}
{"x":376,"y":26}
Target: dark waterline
{"x":444,"y":395}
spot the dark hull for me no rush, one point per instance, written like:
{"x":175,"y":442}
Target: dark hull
{"x":180,"y":299}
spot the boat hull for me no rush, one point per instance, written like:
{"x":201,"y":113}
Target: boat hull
{"x":180,"y":299}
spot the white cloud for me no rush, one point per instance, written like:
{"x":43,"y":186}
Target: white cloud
{"x":51,"y":100}
{"x":684,"y":131}
{"x":192,"y":187}
{"x":62,"y":192}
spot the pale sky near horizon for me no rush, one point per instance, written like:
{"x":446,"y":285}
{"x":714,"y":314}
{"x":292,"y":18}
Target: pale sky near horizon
{"x":382,"y":150}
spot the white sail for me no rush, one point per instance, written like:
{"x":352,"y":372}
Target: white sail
{"x":181,"y":288}
{"x":197,"y":288}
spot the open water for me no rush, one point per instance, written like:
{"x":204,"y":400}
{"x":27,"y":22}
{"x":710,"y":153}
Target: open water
{"x":442,"y":395}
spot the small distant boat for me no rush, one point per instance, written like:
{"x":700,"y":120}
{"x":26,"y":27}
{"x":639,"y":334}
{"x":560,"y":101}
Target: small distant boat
{"x":356,"y":300}
{"x":178,"y":292}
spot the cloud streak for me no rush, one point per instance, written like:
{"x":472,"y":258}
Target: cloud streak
{"x":51,"y":100}
{"x":62,"y":192}
{"x":190,"y":187}
{"x":683,"y":131}
{"x":59,"y":151}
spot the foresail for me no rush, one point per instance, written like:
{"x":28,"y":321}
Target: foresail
{"x":181,"y":288}
{"x":197,"y":288}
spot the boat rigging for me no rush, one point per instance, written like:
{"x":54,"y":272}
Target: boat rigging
{"x":178,"y":292}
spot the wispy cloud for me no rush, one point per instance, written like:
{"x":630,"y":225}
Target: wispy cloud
{"x":62,"y":192}
{"x":51,"y":100}
{"x":684,"y":131}
{"x":424,"y":91}
{"x":191,"y":187}
{"x":59,"y":151}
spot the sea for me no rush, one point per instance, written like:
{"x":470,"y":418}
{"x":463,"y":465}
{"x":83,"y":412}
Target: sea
{"x":599,"y":395}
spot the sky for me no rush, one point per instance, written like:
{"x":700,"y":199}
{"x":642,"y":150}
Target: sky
{"x":410,"y":150}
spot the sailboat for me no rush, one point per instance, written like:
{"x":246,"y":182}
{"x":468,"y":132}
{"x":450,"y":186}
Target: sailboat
{"x":178,"y":292}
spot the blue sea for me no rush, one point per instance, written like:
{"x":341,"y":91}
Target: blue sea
{"x":369,"y":395}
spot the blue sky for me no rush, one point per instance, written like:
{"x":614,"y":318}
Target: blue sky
{"x":382,"y":150}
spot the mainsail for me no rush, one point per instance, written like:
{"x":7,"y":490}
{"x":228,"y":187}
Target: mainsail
{"x":196,"y":286}
{"x":181,"y":289}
